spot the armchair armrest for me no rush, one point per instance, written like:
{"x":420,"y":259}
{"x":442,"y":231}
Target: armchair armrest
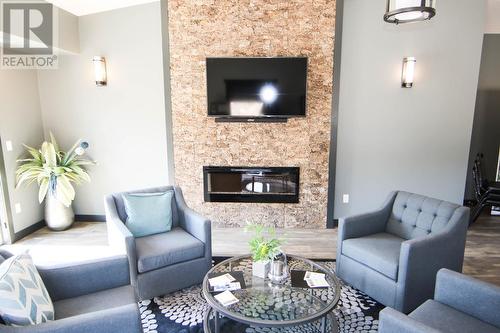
{"x":368,"y":223}
{"x":191,"y":221}
{"x":120,"y":237}
{"x":474,"y":297}
{"x":364,"y":224}
{"x":82,"y":279}
{"x":421,"y":258}
{"x":195,"y":224}
{"x":124,"y":319}
{"x":392,"y":321}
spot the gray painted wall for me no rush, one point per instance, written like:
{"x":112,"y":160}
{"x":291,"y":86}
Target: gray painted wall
{"x":410,"y":139}
{"x":20,"y":122}
{"x":486,"y":131}
{"x":167,"y":86}
{"x":68,"y":32}
{"x":124,"y":122}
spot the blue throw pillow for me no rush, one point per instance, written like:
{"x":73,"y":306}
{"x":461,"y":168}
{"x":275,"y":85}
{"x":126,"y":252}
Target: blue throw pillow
{"x":148,"y":213}
{"x":24,"y":300}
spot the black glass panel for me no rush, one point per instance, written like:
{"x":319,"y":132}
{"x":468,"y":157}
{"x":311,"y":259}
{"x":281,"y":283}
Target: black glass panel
{"x":256,"y":87}
{"x":243,"y":184}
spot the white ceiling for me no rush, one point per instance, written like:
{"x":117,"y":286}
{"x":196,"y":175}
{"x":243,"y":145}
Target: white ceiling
{"x":85,"y":7}
{"x":492,"y":17}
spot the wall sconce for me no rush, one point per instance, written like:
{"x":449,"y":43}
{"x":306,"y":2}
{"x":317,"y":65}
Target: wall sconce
{"x":100,"y":71}
{"x":408,"y":73}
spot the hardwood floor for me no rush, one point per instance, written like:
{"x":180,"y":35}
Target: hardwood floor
{"x":88,"y":240}
{"x":310,"y":243}
{"x":482,"y":251}
{"x":85,"y":241}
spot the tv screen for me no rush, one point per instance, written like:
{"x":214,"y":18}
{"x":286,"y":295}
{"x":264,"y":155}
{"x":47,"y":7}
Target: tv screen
{"x":256,"y":87}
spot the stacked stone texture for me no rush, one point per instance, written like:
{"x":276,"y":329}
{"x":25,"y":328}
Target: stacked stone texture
{"x":252,"y":28}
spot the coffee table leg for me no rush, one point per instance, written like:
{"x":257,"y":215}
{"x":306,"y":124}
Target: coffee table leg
{"x":323,"y":324}
{"x":216,"y":321}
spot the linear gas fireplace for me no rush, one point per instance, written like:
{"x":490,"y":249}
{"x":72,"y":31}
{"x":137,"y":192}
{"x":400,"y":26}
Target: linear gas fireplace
{"x":251,"y":184}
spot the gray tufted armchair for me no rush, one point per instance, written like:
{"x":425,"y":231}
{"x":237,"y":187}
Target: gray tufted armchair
{"x":394,"y":253}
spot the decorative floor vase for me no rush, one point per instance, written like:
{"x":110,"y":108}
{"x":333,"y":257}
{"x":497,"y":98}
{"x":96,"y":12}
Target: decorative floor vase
{"x":57,"y":216}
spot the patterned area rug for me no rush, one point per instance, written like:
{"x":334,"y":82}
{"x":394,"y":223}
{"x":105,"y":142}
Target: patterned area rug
{"x":183,"y":311}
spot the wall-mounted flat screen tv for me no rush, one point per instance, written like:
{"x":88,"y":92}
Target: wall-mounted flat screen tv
{"x":256,"y":87}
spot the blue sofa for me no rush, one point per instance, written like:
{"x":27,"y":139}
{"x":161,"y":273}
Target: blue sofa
{"x":94,"y":297}
{"x":394,"y":253}
{"x":460,"y":304}
{"x":166,"y":262}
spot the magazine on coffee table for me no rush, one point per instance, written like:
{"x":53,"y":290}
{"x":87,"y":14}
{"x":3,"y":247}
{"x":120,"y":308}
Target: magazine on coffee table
{"x":226,"y":298}
{"x":316,"y":280}
{"x":306,"y":279}
{"x":226,"y":281}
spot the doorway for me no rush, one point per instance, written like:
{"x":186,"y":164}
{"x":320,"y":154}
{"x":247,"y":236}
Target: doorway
{"x":6,"y":232}
{"x":485,"y":139}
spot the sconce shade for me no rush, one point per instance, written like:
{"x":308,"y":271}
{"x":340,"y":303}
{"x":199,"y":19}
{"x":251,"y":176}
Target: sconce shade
{"x":404,"y":11}
{"x":100,"y":71}
{"x":408,"y":74}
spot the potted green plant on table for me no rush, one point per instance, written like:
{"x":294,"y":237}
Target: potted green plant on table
{"x":54,"y":171}
{"x":264,"y":247}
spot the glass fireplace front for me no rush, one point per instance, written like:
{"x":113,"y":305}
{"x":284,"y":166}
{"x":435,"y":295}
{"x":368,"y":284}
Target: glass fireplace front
{"x":251,"y":184}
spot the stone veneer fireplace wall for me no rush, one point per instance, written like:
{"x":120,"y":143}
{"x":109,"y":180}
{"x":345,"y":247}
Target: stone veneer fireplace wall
{"x":252,"y":28}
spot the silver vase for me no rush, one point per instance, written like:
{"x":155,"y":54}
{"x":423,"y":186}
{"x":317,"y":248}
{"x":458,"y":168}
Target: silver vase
{"x":278,"y":272}
{"x":57,"y":216}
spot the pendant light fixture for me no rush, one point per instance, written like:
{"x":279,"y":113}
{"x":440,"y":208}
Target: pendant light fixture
{"x":404,"y":11}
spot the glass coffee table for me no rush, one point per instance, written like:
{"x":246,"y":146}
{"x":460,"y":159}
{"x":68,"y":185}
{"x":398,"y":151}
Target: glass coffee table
{"x":267,"y":307}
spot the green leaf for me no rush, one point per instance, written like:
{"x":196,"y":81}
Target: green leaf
{"x":72,"y":177}
{"x":49,"y":154}
{"x":71,"y":153}
{"x":44,"y":187}
{"x":43,"y":175}
{"x":33,"y":152}
{"x":59,"y":171}
{"x":65,"y":192}
{"x":81,"y":173}
{"x":26,"y":176}
{"x":83,"y":162}
{"x":264,"y":246}
{"x":54,"y":142}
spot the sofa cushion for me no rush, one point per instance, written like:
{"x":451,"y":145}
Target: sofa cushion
{"x":148,"y":213}
{"x":378,"y":251}
{"x":447,"y":319}
{"x":24,"y":300}
{"x":166,"y":249}
{"x":101,"y":300}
